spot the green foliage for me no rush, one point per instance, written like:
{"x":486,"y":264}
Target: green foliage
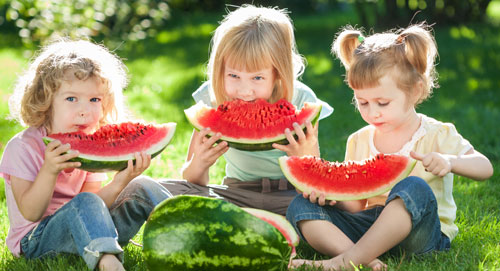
{"x":165,"y":70}
{"x":115,"y":20}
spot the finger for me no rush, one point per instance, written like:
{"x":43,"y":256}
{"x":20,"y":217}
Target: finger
{"x":62,"y":149}
{"x":332,"y":202}
{"x":316,"y":128}
{"x":305,"y":195}
{"x":67,"y":156}
{"x":416,"y":156}
{"x":202,"y":134}
{"x":53,"y":145}
{"x":70,"y":165}
{"x":299,"y":132}
{"x":280,"y":147}
{"x":138,"y":160}
{"x":312,"y":197}
{"x":443,"y":172}
{"x":212,"y":140}
{"x":311,"y":131}
{"x":289,"y":137}
{"x":321,"y":199}
{"x":219,"y":149}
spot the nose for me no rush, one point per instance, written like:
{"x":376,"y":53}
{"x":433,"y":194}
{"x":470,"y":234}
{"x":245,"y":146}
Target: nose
{"x":244,"y":90}
{"x":374,"y":112}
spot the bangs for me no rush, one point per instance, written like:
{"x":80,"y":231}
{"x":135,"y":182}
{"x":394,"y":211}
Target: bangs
{"x":247,"y":53}
{"x":364,"y":75}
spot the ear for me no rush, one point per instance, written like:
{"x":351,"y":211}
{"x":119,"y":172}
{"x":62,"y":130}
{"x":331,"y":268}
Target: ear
{"x":417,"y":93}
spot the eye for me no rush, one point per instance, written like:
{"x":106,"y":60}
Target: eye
{"x":383,"y":104}
{"x":71,"y":99}
{"x":362,"y":103}
{"x":95,"y":100}
{"x":232,"y":75}
{"x":258,"y":78}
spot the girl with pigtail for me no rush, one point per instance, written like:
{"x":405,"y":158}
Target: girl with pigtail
{"x":390,"y":74}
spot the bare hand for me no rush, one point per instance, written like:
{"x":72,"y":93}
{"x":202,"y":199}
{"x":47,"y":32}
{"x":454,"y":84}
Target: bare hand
{"x":306,"y":143}
{"x":435,"y":163}
{"x":57,"y":156}
{"x":313,"y":198}
{"x":142,"y":162}
{"x":205,"y":153}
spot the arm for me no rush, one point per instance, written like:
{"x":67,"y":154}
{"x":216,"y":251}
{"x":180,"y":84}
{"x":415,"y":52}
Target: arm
{"x":33,"y":198}
{"x":472,"y":164}
{"x":110,"y":191}
{"x":202,"y":154}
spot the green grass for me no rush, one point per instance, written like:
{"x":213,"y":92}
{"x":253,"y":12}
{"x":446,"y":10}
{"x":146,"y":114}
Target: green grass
{"x":165,"y":71}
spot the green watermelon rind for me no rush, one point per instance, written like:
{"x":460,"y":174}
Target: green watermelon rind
{"x":199,"y":233}
{"x":93,"y":163}
{"x":344,"y":196}
{"x":263,"y":144}
{"x":279,"y":220}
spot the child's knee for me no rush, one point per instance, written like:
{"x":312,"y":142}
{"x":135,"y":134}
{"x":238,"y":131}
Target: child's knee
{"x":87,"y":200}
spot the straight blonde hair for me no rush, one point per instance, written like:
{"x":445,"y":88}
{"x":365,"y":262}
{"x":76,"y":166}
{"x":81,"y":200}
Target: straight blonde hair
{"x":407,"y":54}
{"x":31,"y":102}
{"x":254,"y":38}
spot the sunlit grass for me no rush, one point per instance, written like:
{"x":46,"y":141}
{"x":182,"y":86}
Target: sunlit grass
{"x":165,"y":71}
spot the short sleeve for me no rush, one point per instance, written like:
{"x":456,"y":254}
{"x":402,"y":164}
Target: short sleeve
{"x":203,"y":94}
{"x":21,"y":159}
{"x":302,"y":93}
{"x":449,"y":141}
{"x":350,"y":148}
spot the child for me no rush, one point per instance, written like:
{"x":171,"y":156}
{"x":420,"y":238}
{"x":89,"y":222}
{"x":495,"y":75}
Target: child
{"x":53,"y":206}
{"x":253,"y":56}
{"x":390,"y":74}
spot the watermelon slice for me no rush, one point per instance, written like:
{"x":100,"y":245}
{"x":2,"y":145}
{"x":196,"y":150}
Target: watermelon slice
{"x":252,"y":126}
{"x":111,"y":146}
{"x":348,"y":180}
{"x":280,"y":223}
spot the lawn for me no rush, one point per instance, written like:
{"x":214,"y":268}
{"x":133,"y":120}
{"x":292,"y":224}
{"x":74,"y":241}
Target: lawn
{"x":166,"y":70}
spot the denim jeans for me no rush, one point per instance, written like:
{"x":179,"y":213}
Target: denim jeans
{"x":425,"y":235}
{"x":85,"y":226}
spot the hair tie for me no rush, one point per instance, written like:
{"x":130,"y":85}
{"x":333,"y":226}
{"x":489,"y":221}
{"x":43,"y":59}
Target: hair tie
{"x":361,"y":39}
{"x":401,"y":38}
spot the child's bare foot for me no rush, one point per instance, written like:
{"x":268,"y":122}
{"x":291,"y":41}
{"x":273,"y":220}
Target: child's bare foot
{"x":337,"y":263}
{"x":377,"y":265}
{"x":110,"y":262}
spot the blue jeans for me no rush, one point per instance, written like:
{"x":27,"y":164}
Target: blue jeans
{"x":85,"y":226}
{"x":425,"y":235}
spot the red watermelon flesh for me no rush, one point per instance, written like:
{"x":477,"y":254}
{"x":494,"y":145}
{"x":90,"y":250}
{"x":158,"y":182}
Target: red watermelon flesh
{"x":251,"y":123}
{"x":280,"y":223}
{"x":111,"y":146}
{"x":349,"y":180}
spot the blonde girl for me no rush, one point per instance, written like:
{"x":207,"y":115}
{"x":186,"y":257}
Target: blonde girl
{"x":53,"y":206}
{"x":390,"y":74}
{"x":253,"y":56}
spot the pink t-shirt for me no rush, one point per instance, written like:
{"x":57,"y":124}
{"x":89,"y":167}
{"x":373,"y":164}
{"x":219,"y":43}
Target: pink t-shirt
{"x":23,"y":157}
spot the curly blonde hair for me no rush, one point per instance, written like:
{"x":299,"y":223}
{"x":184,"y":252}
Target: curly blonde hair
{"x":407,"y":54}
{"x":253,"y":38}
{"x":31,"y":102}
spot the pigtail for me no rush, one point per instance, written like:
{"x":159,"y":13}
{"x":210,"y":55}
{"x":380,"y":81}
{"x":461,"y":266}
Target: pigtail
{"x":345,"y":44}
{"x":420,"y":47}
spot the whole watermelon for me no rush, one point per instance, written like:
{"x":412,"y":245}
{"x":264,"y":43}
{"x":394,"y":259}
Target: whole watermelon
{"x":200,"y":233}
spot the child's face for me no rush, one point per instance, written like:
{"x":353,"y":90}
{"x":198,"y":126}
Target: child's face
{"x":77,"y":106}
{"x":385,"y":106}
{"x":248,"y":86}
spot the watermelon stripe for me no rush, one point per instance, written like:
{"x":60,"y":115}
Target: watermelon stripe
{"x":198,"y":233}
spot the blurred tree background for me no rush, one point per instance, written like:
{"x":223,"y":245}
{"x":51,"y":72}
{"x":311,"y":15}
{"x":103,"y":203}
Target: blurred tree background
{"x":115,"y":21}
